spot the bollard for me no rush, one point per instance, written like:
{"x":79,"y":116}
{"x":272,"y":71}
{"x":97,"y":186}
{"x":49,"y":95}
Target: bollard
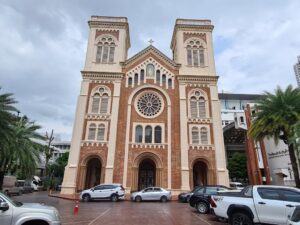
{"x":76,"y":208}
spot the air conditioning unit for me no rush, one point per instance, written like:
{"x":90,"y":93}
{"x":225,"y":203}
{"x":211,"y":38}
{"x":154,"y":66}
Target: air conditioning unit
{"x":240,"y":121}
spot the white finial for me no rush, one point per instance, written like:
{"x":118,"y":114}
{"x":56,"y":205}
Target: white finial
{"x":151,"y":41}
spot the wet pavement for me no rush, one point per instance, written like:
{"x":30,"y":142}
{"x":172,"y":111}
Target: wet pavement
{"x":123,"y":212}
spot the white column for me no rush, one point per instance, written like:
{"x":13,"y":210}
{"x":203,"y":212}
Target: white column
{"x":113,"y":133}
{"x":185,"y":179}
{"x":70,"y":176}
{"x":222,"y":172}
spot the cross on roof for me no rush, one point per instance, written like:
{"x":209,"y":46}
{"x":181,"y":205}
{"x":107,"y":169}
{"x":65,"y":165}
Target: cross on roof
{"x":151,"y":41}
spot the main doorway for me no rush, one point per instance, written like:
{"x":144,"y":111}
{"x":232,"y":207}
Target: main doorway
{"x":147,"y":172}
{"x":93,"y":173}
{"x":199,"y":174}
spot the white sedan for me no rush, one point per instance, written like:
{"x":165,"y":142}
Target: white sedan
{"x":150,"y":194}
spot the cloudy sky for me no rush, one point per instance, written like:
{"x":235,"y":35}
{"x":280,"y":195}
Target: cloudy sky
{"x":43,"y":45}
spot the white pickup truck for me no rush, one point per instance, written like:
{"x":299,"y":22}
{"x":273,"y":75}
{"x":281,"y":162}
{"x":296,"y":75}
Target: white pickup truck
{"x":264,"y":204}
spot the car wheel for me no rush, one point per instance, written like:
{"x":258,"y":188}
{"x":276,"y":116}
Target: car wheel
{"x":114,"y":198}
{"x":240,"y":219}
{"x":163,"y":199}
{"x":188,"y":199}
{"x":86,"y":198}
{"x":202,"y":207}
{"x":138,"y":199}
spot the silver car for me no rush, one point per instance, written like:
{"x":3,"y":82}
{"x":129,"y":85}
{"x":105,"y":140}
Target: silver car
{"x":152,"y":193}
{"x":17,"y":213}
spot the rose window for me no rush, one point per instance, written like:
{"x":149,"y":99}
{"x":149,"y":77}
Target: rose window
{"x":149,"y":104}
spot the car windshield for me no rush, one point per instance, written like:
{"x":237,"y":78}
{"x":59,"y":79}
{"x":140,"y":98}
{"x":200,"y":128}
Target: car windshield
{"x":15,"y":203}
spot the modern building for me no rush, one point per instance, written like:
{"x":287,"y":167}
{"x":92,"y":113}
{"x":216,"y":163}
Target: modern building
{"x":62,"y":146}
{"x":147,"y":120}
{"x":297,"y":71}
{"x":234,"y":127}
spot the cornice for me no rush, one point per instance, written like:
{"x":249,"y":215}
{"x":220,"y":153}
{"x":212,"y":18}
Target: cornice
{"x":193,"y":78}
{"x":101,"y":75}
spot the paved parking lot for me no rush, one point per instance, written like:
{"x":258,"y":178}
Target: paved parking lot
{"x":124,"y":212}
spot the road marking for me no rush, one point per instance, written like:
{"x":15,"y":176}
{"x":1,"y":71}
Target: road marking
{"x":205,"y":221}
{"x":102,"y":214}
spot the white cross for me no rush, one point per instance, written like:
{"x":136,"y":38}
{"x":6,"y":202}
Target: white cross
{"x":151,"y":41}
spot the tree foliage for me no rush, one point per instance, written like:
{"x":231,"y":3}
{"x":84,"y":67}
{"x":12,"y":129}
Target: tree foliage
{"x":237,"y":166}
{"x":276,"y":117}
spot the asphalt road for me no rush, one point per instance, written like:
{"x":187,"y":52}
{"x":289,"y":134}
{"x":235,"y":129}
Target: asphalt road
{"x":124,"y":212}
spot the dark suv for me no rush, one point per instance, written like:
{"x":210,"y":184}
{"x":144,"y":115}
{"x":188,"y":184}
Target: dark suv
{"x":201,"y":197}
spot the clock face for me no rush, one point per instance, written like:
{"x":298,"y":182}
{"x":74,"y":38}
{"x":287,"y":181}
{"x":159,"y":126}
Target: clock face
{"x":149,"y":104}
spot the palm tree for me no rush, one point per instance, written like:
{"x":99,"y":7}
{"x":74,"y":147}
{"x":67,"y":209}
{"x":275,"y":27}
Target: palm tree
{"x":7,"y":117}
{"x":276,"y":116}
{"x":23,"y":151}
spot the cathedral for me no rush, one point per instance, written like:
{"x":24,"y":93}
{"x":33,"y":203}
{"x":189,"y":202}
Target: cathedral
{"x":148,"y":120}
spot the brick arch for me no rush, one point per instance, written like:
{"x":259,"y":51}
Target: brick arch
{"x":210,"y":170}
{"x":147,"y":155}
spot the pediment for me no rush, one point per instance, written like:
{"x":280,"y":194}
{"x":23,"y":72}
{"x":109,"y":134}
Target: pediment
{"x":151,"y":53}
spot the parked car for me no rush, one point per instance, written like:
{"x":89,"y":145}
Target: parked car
{"x":257,"y":204}
{"x":201,"y":197}
{"x":10,"y":186}
{"x":294,"y":218}
{"x":17,"y":213}
{"x":114,"y":192}
{"x":152,"y":194}
{"x":25,"y":186}
{"x":236,"y":185}
{"x":185,"y":196}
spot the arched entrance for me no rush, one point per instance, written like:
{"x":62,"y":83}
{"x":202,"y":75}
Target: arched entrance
{"x":147,"y":172}
{"x":93,"y":173}
{"x":200,"y":171}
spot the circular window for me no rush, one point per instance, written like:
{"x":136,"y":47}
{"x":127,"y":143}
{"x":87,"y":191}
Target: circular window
{"x":149,"y":104}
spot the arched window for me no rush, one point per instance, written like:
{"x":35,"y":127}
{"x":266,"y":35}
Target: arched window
{"x":136,"y":78}
{"x":100,"y":133}
{"x":197,"y":105}
{"x":92,"y":132}
{"x":129,"y":81}
{"x":169,"y":83}
{"x":142,"y":75}
{"x":95,"y":103}
{"x":157,"y":134}
{"x":201,"y":104}
{"x":203,"y":135}
{"x":139,"y":134}
{"x":157,"y":76}
{"x":163,"y":79}
{"x":195,"y":135}
{"x":193,"y":106}
{"x":100,"y":101}
{"x":148,"y":134}
{"x":195,"y":53}
{"x":105,"y":50}
{"x":150,"y":71}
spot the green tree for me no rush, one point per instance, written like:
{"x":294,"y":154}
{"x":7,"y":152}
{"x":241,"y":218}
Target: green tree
{"x":237,"y":166}
{"x":23,"y":149}
{"x":7,"y":117}
{"x":276,"y":117}
{"x":57,"y":170}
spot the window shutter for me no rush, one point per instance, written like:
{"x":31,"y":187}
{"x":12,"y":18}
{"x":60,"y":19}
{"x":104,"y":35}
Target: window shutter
{"x":193,"y":105}
{"x":202,"y":113}
{"x":111,"y":54}
{"x":95,"y":104}
{"x":104,"y":104}
{"x":100,"y":134}
{"x":92,"y":132}
{"x":105,"y":54}
{"x":189,"y":57}
{"x":203,"y":134}
{"x":201,"y":56}
{"x":195,"y":57}
{"x":98,"y":56}
{"x":195,"y":135}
